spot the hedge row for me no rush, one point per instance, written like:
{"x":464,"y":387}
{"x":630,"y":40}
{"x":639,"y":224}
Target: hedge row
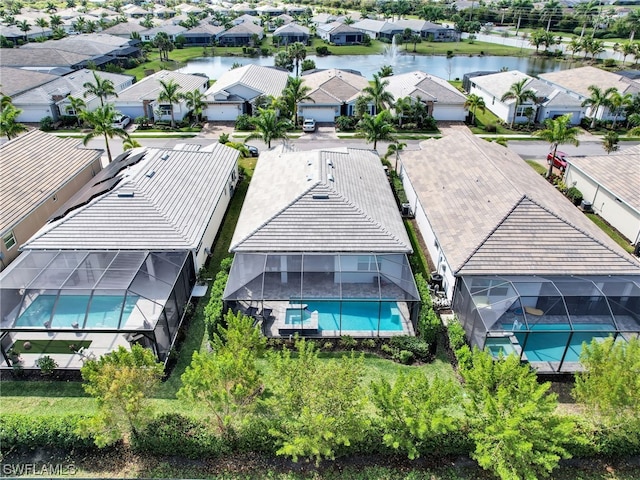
{"x":176,"y":434}
{"x":429,"y":325}
{"x":213,"y":311}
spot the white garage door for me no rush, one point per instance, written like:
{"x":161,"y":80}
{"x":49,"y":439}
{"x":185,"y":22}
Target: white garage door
{"x":320,"y":114}
{"x":221,"y":113}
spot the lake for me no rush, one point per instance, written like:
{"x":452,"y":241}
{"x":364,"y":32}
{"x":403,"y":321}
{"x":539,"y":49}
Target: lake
{"x":367,"y":65}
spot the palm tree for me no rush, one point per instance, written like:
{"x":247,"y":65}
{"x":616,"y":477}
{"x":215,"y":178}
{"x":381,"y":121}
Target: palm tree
{"x":130,"y":143}
{"x":385,"y":71}
{"x":394,"y":149}
{"x":194,"y":101}
{"x":297,"y":52}
{"x":627,"y":49}
{"x":101,"y":119}
{"x":377,"y":94}
{"x":473,"y":103}
{"x":51,"y":7}
{"x":575,"y":45}
{"x":633,"y":21}
{"x":402,"y":107}
{"x":520,"y":94}
{"x":377,"y":127}
{"x":610,"y":142}
{"x":170,"y":95}
{"x":42,"y":23}
{"x":551,"y":9}
{"x":77,"y":105}
{"x":55,"y":21}
{"x":619,"y":102}
{"x":294,"y":93}
{"x":9,"y":126}
{"x":268,"y":126}
{"x":24,"y":28}
{"x":520,"y":7}
{"x":585,"y":11}
{"x":598,"y":99}
{"x":101,"y":88}
{"x":558,"y":132}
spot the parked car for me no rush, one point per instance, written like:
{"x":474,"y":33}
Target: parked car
{"x":309,"y":125}
{"x":121,"y":121}
{"x":253,"y":151}
{"x":559,"y":161}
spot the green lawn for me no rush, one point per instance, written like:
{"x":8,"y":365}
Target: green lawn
{"x":49,"y":346}
{"x":612,"y":232}
{"x":539,"y":168}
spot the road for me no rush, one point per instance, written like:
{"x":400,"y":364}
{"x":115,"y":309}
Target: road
{"x":529,"y":149}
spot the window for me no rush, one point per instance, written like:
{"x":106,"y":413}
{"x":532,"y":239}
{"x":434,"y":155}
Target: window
{"x":9,"y":240}
{"x":165,"y":109}
{"x":368,"y":263}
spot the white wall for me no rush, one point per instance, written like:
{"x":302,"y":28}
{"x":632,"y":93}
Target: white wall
{"x":222,"y":111}
{"x":456,"y":113}
{"x":551,"y":112}
{"x":620,"y":215}
{"x":502,"y":111}
{"x":319,"y":114}
{"x":33,"y":113}
{"x":133,"y":109}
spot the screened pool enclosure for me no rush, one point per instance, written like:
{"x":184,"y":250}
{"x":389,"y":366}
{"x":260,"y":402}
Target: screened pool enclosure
{"x":325,"y":294}
{"x":546,"y":319}
{"x":106,"y":298}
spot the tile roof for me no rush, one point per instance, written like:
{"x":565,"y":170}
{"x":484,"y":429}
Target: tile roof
{"x":85,"y":43}
{"x":14,"y":81}
{"x":334,"y":200}
{"x":246,"y":28}
{"x":498,"y":84}
{"x":169,"y":208}
{"x":579,"y":80}
{"x":291,"y":28}
{"x":37,"y":164}
{"x":124,"y":28}
{"x":490,"y":211}
{"x":265,"y":80}
{"x":428,"y":87}
{"x":339,"y":84}
{"x":618,"y":173}
{"x":371,"y":25}
{"x":44,"y":57}
{"x":149,"y":87}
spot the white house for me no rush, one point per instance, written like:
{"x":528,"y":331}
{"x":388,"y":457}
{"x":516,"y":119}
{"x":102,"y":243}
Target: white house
{"x":443,"y":101}
{"x":612,"y":184}
{"x":233,"y":93}
{"x":141,"y":98}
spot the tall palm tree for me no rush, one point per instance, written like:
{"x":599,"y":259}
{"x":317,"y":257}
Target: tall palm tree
{"x":194,"y":101}
{"x":586,"y":11}
{"x":377,"y":94}
{"x":297,"y":52}
{"x":377,"y":127}
{"x":77,"y":105}
{"x":170,"y":95}
{"x":551,"y":9}
{"x":597,"y":100}
{"x":9,"y":126}
{"x":55,"y":21}
{"x":473,"y":103}
{"x":101,"y":88}
{"x":394,"y":149}
{"x":618,"y":102}
{"x":42,"y":23}
{"x":558,"y":132}
{"x":627,"y":48}
{"x":268,"y":126}
{"x":575,"y":45}
{"x":24,"y":27}
{"x":520,"y":94}
{"x":610,"y":142}
{"x":385,"y":71}
{"x":633,"y":21}
{"x":101,"y":120}
{"x":520,"y":7}
{"x":294,"y":93}
{"x":403,"y":107}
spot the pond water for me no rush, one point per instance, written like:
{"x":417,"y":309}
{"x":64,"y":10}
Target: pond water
{"x":367,"y":65}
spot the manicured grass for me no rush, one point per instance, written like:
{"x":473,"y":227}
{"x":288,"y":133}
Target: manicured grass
{"x":49,"y":346}
{"x":612,"y":232}
{"x":536,"y":166}
{"x":413,"y":237}
{"x":487,"y":117}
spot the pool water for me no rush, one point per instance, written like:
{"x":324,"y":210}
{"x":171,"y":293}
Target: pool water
{"x":497,"y":345}
{"x":355,"y":315}
{"x":103,"y":311}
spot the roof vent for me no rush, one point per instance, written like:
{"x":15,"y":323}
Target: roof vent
{"x":330,"y":178}
{"x":165,"y":156}
{"x":321,"y":196}
{"x":309,"y":178}
{"x":150,"y":173}
{"x":329,"y":163}
{"x":126,"y":193}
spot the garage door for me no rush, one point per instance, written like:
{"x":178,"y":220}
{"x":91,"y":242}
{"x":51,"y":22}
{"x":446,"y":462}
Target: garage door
{"x":221,"y":113}
{"x":320,"y":114}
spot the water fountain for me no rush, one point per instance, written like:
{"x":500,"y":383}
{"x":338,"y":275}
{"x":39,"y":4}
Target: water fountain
{"x":391,"y":51}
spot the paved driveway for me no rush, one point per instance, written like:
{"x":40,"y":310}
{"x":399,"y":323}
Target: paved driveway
{"x":321,"y":133}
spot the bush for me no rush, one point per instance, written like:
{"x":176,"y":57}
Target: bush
{"x":456,"y":335}
{"x":47,"y":365}
{"x":405,"y":357}
{"x":46,"y":124}
{"x":416,"y":346}
{"x":345,"y":124}
{"x":29,"y":432}
{"x":491,"y":127}
{"x":214,"y":311}
{"x":323,"y":50}
{"x":574,"y":195}
{"x":369,"y":343}
{"x":243,"y":123}
{"x":328,"y":346}
{"x":348,"y":342}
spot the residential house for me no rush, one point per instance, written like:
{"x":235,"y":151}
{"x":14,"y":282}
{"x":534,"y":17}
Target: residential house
{"x":235,"y":91}
{"x":45,"y":172}
{"x":610,"y":183}
{"x":16,"y":80}
{"x":376,"y":29}
{"x":270,"y":10}
{"x":52,"y":98}
{"x":186,"y":8}
{"x":323,"y":18}
{"x":526,"y":271}
{"x":241,"y":35}
{"x":246,"y":18}
{"x":204,"y":34}
{"x":125,"y":29}
{"x":135,"y":11}
{"x":339,"y":33}
{"x":13,"y":34}
{"x":291,"y":33}
{"x":244,"y":9}
{"x":320,"y":248}
{"x":576,"y":82}
{"x":116,"y":265}
{"x":172,"y":32}
{"x":433,"y":32}
{"x":141,"y":98}
{"x":443,"y":101}
{"x":332,"y":93}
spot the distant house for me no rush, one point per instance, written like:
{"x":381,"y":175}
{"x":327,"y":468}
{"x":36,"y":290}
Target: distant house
{"x":44,"y":60}
{"x":443,"y":101}
{"x":234,"y":92}
{"x":611,"y":184}
{"x":241,"y":35}
{"x":16,"y":80}
{"x":141,"y":98}
{"x":332,"y":92}
{"x":376,"y":29}
{"x":203,"y":34}
{"x":292,"y":33}
{"x":246,"y":18}
{"x":135,"y":11}
{"x":172,"y":32}
{"x":13,"y":34}
{"x":270,"y":10}
{"x":432,"y":32}
{"x":339,"y":33}
{"x":323,"y":18}
{"x":320,"y":248}
{"x":526,"y":272}
{"x":116,"y":265}
{"x":244,"y":9}
{"x":51,"y":98}
{"x":45,"y":172}
{"x":576,"y":82}
{"x":125,"y":29}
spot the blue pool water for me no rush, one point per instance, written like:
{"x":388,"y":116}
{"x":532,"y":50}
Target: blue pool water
{"x":355,"y":315}
{"x":103,"y":311}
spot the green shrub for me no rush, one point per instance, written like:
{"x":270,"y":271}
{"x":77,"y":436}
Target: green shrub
{"x":456,"y":335}
{"x":345,"y":124}
{"x":574,"y":195}
{"x":323,"y":50}
{"x":418,"y":347}
{"x":46,"y":124}
{"x":491,"y":127}
{"x":388,"y":349}
{"x":243,"y":124}
{"x":328,"y":346}
{"x":405,"y":357}
{"x":369,"y":343}
{"x":29,"y":432}
{"x":214,"y":311}
{"x":348,"y":342}
{"x":47,"y":365}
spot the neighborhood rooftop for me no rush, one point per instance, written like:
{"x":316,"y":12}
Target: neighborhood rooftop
{"x":333,"y":200}
{"x":149,"y":87}
{"x":424,"y":86}
{"x":331,"y":84}
{"x":264,"y":80}
{"x":493,"y":214}
{"x":580,"y":79}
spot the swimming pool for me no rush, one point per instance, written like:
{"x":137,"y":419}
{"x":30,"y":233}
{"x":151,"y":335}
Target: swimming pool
{"x":355,"y":316}
{"x":103,"y":311}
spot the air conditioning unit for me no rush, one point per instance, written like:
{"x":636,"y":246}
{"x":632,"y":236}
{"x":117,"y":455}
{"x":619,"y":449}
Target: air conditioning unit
{"x":586,"y":206}
{"x":406,"y":209}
